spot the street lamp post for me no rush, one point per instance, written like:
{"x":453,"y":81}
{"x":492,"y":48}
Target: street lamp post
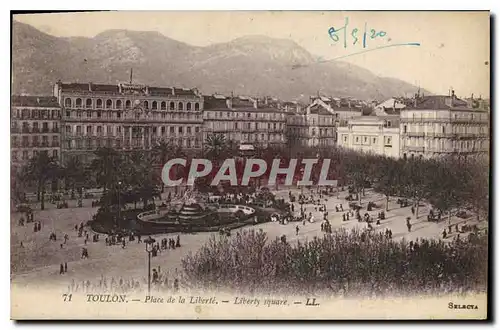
{"x":119,"y":206}
{"x":149,"y":248}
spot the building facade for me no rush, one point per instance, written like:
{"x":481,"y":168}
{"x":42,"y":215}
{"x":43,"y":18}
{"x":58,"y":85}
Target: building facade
{"x":127,"y":117}
{"x":243,"y":120}
{"x":443,"y":125}
{"x":371,"y":134}
{"x":315,"y":128}
{"x":35,"y":127}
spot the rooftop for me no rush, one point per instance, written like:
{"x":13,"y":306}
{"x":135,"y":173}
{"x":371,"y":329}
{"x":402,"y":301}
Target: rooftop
{"x":34,"y":101}
{"x":115,"y":88}
{"x":441,"y":102}
{"x":240,"y":103}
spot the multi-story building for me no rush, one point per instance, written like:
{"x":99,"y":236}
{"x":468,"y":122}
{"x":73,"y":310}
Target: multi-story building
{"x":127,"y":116}
{"x":371,"y":134}
{"x":35,"y":127}
{"x":442,"y":125}
{"x":342,"y":109}
{"x":314,"y":128}
{"x":243,"y":120}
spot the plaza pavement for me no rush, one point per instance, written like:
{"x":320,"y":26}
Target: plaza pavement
{"x":37,"y":263}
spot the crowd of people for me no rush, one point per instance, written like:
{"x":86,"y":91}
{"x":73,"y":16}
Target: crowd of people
{"x":161,"y":281}
{"x":301,"y":262}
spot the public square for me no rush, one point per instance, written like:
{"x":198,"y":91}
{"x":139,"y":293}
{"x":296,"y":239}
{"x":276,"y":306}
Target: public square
{"x":37,"y":262}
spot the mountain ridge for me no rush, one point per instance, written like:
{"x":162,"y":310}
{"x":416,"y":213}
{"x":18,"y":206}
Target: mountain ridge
{"x":250,"y":65}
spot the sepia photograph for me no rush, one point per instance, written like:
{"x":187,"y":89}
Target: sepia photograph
{"x":270,"y":165}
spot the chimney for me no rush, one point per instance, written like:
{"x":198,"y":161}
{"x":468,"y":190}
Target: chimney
{"x":394,"y":105}
{"x":255,"y":104}
{"x":38,"y":100}
{"x":472,"y":96}
{"x":173,"y":91}
{"x":349,"y":103}
{"x":298,"y":107}
{"x":90,"y":87}
{"x":229,"y":102}
{"x":415,"y":102}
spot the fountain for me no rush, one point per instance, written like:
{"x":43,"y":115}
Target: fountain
{"x":191,"y":213}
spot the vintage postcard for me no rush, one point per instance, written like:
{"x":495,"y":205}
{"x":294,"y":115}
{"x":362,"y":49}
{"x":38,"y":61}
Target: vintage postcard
{"x":250,"y":165}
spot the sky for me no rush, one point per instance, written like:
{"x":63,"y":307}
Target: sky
{"x":453,"y":51}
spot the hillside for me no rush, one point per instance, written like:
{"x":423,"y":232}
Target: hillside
{"x":251,"y":65}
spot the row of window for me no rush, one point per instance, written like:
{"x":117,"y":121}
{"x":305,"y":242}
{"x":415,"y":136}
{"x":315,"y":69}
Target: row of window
{"x":36,"y":114}
{"x":118,"y":115}
{"x":117,"y":130}
{"x":322,"y":131}
{"x":367,"y":140}
{"x":247,"y":126}
{"x":460,"y":129}
{"x":35,"y":141}
{"x":262,"y":137}
{"x":244,"y":115}
{"x":128,"y":104}
{"x":91,"y":144}
{"x":429,"y":116}
{"x":443,"y":144}
{"x":35,"y":125}
{"x":326,"y":120}
{"x":27,"y":154}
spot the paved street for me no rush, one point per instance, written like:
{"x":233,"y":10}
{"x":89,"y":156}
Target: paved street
{"x":38,"y":261}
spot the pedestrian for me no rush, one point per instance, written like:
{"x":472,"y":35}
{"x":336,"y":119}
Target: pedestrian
{"x":297,"y":230}
{"x":65,"y":267}
{"x":176,"y":285}
{"x":61,"y":269}
{"x":413,"y":210}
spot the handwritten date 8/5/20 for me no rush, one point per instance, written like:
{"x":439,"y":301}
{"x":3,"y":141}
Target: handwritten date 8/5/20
{"x":355,"y":34}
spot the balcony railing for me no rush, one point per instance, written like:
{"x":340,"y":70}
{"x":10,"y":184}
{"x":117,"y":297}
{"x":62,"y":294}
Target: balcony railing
{"x":414,"y":134}
{"x":425,"y":120}
{"x":444,"y":120}
{"x":35,"y":130}
{"x":446,"y":135}
{"x":414,"y":149}
{"x":470,"y":120}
